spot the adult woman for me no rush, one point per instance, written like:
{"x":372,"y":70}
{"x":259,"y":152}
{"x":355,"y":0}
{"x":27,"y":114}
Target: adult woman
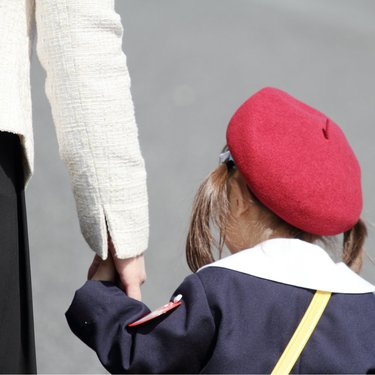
{"x":88,"y":86}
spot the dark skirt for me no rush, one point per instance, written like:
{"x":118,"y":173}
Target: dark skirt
{"x":17,"y":343}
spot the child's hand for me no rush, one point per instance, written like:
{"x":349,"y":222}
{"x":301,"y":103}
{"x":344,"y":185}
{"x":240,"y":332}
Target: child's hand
{"x":103,"y":270}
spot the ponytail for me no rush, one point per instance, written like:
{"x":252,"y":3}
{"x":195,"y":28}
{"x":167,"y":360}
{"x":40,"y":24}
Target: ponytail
{"x":210,"y":204}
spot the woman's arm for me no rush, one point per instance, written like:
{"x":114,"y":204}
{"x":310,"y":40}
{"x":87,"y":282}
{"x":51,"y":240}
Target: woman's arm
{"x":88,"y":85}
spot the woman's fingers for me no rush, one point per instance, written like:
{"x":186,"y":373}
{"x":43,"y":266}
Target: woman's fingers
{"x":132,"y":275}
{"x":131,"y":272}
{"x":134,"y":291}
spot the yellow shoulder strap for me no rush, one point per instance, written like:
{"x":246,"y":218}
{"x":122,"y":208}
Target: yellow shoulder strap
{"x":302,"y":333}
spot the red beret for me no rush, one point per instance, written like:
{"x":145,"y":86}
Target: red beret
{"x":297,"y":162}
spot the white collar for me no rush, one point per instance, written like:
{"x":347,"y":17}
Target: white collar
{"x":298,"y":263}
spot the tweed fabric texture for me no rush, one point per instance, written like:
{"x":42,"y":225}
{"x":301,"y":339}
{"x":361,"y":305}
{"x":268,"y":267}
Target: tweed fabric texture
{"x":79,"y":44}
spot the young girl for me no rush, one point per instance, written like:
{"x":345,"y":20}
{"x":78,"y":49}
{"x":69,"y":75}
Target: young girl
{"x":287,"y":182}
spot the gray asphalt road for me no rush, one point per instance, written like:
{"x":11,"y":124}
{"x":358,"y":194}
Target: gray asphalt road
{"x":191,"y":64}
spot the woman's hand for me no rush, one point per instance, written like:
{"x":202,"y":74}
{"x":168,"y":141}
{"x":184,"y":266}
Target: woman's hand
{"x":129,"y":273}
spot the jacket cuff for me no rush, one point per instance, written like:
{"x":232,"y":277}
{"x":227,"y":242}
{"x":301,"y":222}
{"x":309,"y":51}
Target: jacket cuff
{"x":94,"y":302}
{"x":127,"y":226}
{"x":128,"y":240}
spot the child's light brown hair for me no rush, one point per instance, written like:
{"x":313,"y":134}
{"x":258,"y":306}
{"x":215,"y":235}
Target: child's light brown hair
{"x":211,"y":209}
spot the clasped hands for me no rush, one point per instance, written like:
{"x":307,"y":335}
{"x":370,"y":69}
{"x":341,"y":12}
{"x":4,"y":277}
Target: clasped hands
{"x":129,"y":273}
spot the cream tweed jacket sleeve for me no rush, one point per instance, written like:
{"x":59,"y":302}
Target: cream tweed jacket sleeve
{"x":79,"y":44}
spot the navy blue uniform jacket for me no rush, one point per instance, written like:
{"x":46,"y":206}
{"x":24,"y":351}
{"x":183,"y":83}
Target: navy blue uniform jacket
{"x":232,"y":321}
